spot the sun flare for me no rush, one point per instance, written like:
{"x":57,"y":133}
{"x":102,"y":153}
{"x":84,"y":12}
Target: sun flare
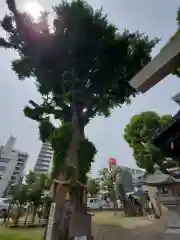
{"x":34,"y":9}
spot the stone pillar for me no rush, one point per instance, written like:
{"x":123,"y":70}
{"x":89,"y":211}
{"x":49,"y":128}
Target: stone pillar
{"x":172,"y":231}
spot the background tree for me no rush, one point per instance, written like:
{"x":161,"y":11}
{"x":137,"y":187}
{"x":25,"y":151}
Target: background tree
{"x":93,"y":187}
{"x":109,"y":180}
{"x":32,"y":193}
{"x":139,"y":133}
{"x":30,"y":178}
{"x":19,"y":197}
{"x":87,"y":74}
{"x":36,"y":187}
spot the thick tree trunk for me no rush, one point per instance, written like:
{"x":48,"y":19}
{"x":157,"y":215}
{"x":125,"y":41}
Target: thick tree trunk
{"x":45,"y":210}
{"x":18,"y":214}
{"x":58,"y":225}
{"x":113,"y":197}
{"x":34,"y":210}
{"x":59,"y":230}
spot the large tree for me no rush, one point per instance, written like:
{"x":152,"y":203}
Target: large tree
{"x":82,"y":66}
{"x":139,"y":133}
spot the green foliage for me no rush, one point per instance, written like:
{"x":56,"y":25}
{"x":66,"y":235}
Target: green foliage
{"x":61,"y":138}
{"x":96,"y":46}
{"x":93,"y":187}
{"x":108,"y":177}
{"x":60,"y":142}
{"x":20,"y":234}
{"x":35,"y":186}
{"x":84,"y":56}
{"x":86,"y":154}
{"x":110,"y":181}
{"x":20,"y":195}
{"x":139,"y":133}
{"x":32,"y":190}
{"x":30,"y":178}
{"x":45,"y":130}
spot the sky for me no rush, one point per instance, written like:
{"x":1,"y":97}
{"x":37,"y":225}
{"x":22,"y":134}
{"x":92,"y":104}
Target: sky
{"x":157,"y":19}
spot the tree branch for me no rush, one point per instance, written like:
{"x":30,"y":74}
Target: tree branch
{"x":5,"y":44}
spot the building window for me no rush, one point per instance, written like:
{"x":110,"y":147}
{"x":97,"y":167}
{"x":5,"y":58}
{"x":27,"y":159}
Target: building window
{"x":2,"y":168}
{"x":21,"y":160}
{"x":4,"y":160}
{"x":17,"y":168}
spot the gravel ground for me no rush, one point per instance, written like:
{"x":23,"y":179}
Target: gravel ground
{"x":109,"y":227}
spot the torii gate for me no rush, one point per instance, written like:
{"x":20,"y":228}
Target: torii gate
{"x":161,"y":66}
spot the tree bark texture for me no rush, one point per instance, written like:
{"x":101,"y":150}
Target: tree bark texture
{"x":60,"y":224}
{"x":34,"y":211}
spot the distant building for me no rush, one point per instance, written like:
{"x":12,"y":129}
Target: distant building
{"x":44,"y":159}
{"x":12,"y":165}
{"x":130,"y":178}
{"x":125,"y":178}
{"x":138,"y":179}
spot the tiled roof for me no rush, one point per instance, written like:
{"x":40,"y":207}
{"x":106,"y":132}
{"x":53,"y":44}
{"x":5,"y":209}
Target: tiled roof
{"x":159,"y":178}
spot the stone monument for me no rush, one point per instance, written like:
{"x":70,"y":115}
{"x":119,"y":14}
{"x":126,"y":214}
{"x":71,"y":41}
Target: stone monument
{"x":168,"y":193}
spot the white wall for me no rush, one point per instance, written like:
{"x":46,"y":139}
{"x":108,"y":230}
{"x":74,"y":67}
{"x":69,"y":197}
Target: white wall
{"x":12,"y":158}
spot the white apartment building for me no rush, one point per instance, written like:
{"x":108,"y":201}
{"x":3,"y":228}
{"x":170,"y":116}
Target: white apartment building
{"x":44,"y":159}
{"x":12,"y":165}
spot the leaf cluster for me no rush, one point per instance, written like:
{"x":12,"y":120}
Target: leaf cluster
{"x":93,"y":187}
{"x":81,"y":53}
{"x":139,"y":133}
{"x":32,"y":190}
